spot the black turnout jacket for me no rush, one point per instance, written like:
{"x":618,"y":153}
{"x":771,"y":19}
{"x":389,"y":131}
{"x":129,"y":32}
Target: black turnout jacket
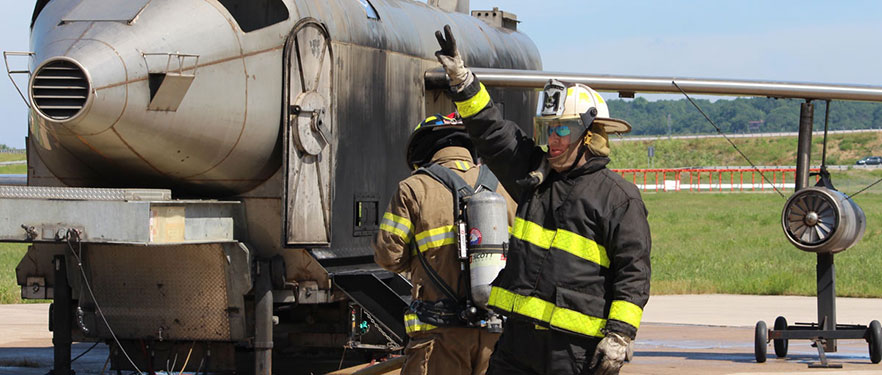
{"x":579,"y":257}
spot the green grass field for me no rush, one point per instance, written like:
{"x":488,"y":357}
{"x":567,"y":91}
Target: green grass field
{"x":15,"y":168}
{"x":842,"y":149}
{"x":733,"y":243}
{"x":10,"y":255}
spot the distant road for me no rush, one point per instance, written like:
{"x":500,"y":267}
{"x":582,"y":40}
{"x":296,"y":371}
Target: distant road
{"x":751,"y":135}
{"x":13,"y":162}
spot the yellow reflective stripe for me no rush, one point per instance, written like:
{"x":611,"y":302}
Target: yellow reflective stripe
{"x":404,"y":223}
{"x":577,"y":322}
{"x":462,"y":165}
{"x":532,"y":233}
{"x":475,"y":104}
{"x":580,"y":247}
{"x":626,"y":312}
{"x":547,"y":312}
{"x":397,"y":225}
{"x":532,"y":307}
{"x":437,"y":237}
{"x":560,"y":239}
{"x":413,"y":324}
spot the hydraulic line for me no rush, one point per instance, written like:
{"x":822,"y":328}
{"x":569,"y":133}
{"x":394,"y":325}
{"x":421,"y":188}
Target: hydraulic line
{"x":188,"y":358}
{"x":73,"y":235}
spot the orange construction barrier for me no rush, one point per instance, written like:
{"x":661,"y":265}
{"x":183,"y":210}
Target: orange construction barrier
{"x":714,"y":179}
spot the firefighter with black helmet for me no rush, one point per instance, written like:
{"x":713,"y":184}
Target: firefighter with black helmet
{"x":418,"y":235}
{"x":578,"y":270}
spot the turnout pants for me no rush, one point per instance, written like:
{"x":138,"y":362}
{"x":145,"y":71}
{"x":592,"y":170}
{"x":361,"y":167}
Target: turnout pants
{"x":525,"y":349}
{"x":449,"y":350}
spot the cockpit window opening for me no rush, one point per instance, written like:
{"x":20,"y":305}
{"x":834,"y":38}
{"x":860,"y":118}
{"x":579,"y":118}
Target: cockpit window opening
{"x":37,"y":9}
{"x":256,"y":14}
{"x":369,"y":9}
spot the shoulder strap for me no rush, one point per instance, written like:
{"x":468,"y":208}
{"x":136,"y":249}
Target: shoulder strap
{"x":449,"y":178}
{"x":486,"y":179}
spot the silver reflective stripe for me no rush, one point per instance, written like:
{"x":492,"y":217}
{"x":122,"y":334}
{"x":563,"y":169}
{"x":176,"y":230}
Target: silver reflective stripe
{"x":403,"y":228}
{"x":436,"y":238}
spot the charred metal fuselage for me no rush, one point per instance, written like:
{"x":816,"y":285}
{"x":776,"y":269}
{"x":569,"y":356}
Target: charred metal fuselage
{"x":298,"y":110}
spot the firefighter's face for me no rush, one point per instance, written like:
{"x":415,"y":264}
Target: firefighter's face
{"x":559,"y":139}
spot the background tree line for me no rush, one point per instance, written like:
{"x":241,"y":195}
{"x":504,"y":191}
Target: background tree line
{"x":741,"y":115}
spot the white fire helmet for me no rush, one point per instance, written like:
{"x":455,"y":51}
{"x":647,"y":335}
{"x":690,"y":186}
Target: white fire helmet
{"x":567,"y":111}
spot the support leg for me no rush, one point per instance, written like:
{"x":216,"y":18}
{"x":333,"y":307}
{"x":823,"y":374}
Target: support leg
{"x":61,"y":319}
{"x":822,"y":356}
{"x":263,"y":326}
{"x":827,"y":298}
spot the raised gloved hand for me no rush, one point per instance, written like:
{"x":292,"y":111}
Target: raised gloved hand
{"x":448,"y":56}
{"x":611,"y":354}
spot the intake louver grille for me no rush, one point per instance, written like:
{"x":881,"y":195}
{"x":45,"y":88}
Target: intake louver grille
{"x":60,"y":89}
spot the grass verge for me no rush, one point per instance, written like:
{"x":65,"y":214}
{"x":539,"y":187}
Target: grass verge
{"x":842,"y":149}
{"x":10,"y":255}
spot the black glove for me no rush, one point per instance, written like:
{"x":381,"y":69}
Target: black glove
{"x":458,"y":75}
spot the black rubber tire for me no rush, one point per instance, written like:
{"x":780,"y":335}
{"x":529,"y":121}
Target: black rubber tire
{"x":781,"y":344}
{"x":874,"y":339}
{"x":760,"y":341}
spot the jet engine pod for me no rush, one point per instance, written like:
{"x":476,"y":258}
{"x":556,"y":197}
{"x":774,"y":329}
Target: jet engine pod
{"x":822,"y":220}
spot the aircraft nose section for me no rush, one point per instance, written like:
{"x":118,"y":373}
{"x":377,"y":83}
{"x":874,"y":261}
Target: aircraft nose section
{"x":80,"y":86}
{"x":60,"y":89}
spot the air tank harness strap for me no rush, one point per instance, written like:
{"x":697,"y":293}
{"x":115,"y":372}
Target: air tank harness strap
{"x":460,"y":189}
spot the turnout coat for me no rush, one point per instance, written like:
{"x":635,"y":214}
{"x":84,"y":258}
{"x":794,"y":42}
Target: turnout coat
{"x":579,"y":256}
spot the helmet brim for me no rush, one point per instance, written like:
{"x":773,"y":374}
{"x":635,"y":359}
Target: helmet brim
{"x":613,"y":125}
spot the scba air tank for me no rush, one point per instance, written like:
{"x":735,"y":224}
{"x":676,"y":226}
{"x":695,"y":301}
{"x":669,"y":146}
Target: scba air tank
{"x":487,"y":242}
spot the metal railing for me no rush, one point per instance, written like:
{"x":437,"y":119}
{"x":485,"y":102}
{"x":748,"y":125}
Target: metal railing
{"x":711,"y":179}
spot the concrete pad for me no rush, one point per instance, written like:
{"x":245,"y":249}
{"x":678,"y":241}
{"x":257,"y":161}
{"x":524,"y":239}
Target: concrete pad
{"x":24,"y":325}
{"x":744,"y":311}
{"x":680,"y":334}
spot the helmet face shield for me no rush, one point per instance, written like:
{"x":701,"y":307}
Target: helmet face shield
{"x":545,"y":128}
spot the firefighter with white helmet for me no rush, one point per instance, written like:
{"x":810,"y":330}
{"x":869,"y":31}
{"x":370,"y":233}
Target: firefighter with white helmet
{"x":418,"y":236}
{"x":578,"y":270}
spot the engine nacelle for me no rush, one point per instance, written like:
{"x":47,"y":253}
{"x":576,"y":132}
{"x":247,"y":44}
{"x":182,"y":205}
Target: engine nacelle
{"x":822,"y":220}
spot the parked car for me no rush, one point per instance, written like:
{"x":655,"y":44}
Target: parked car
{"x":870,"y":160}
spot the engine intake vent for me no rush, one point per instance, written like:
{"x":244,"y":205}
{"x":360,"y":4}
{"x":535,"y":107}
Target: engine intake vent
{"x":60,"y":90}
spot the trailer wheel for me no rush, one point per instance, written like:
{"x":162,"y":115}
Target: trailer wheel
{"x":781,"y":344}
{"x":874,"y":339}
{"x":760,"y":341}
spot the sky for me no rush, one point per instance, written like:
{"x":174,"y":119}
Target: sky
{"x":781,"y":40}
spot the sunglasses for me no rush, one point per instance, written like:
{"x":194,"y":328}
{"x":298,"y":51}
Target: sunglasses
{"x":560,"y":130}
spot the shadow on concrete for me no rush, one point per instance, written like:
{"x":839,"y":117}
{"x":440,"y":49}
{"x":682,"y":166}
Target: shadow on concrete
{"x":748,"y":357}
{"x":39,"y":360}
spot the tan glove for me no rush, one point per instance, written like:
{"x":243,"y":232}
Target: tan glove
{"x":611,"y":354}
{"x":460,"y":76}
